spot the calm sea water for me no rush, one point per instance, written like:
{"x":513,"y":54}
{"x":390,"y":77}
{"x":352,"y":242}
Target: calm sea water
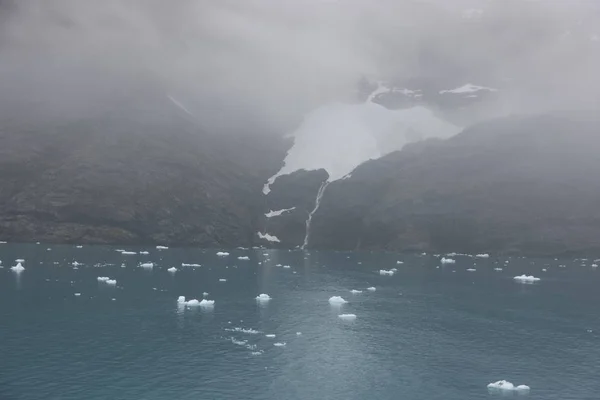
{"x":430,"y":331}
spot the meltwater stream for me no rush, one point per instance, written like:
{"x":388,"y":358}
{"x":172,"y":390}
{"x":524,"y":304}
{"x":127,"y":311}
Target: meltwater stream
{"x":423,"y":330}
{"x":320,"y":194}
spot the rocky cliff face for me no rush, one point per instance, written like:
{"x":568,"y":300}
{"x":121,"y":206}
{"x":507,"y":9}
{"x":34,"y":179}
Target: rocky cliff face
{"x":524,"y":185}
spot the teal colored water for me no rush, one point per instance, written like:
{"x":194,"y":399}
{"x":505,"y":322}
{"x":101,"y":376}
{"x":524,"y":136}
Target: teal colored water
{"x":430,"y":331}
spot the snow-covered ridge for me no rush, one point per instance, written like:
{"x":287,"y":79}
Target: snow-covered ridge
{"x":338,"y":137}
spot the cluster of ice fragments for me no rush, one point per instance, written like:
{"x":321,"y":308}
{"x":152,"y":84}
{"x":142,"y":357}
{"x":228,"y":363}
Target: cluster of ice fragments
{"x":507,"y":386}
{"x":193,"y":302}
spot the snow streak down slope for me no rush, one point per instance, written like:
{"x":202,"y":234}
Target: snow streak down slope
{"x":338,"y":137}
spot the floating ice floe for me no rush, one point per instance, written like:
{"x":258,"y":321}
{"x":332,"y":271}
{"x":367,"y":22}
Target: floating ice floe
{"x":222,"y":280}
{"x":354,"y":291}
{"x":172,"y":269}
{"x":147,"y":265}
{"x":371,"y":289}
{"x":498,"y":269}
{"x":544,"y":270}
{"x":207,"y":303}
{"x":190,"y":265}
{"x":484,"y":255}
{"x":243,"y":330}
{"x":103,"y":278}
{"x":270,"y":335}
{"x":222,"y":253}
{"x":78,"y":246}
{"x":347,"y":317}
{"x":3,"y":242}
{"x":277,"y":213}
{"x":594,"y":265}
{"x":204,"y":294}
{"x":145,"y":253}
{"x":18,"y":268}
{"x":386,"y":272}
{"x":526,"y":278}
{"x":337,"y":300}
{"x":161,"y":247}
{"x":77,"y":294}
{"x":75,"y":264}
{"x":471,"y":269}
{"x":298,"y":333}
{"x":48,"y":249}
{"x":279,"y":344}
{"x":507,"y":386}
{"x":19,"y":260}
{"x":287,"y":267}
{"x":445,"y":260}
{"x":399,"y":262}
{"x":243,"y":258}
{"x":128,"y":253}
{"x":111,"y":282}
{"x":263,"y":297}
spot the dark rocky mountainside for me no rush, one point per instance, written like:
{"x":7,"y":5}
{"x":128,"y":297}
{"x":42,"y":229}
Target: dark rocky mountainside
{"x":132,"y":175}
{"x":527,"y":185}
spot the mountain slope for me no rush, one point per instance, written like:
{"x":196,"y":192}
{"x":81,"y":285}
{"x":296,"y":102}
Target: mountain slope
{"x":525,"y":184}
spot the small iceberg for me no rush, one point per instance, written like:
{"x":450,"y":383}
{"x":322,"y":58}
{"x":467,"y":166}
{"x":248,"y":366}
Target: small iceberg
{"x":161,"y":247}
{"x":354,"y":291}
{"x":347,"y":317}
{"x":222,"y":280}
{"x":75,"y":264}
{"x":190,"y":265}
{"x":19,"y":260}
{"x":18,"y":268}
{"x":172,"y":270}
{"x":445,"y":260}
{"x":298,"y":333}
{"x":145,"y":253}
{"x":207,"y":303}
{"x":279,"y":344}
{"x":544,"y":270}
{"x":181,"y":300}
{"x":471,"y":269}
{"x":371,"y":289}
{"x":386,"y":272}
{"x":337,"y":300}
{"x":484,"y":255}
{"x":128,"y":253}
{"x":222,"y":253}
{"x":147,"y":265}
{"x":103,"y":278}
{"x":526,"y":278}
{"x":594,"y":265}
{"x":204,"y":294}
{"x":270,"y":335}
{"x":111,"y":282}
{"x":507,"y":386}
{"x":498,"y":269}
{"x":287,"y":267}
{"x":192,"y":303}
{"x":77,"y":294}
{"x":243,"y":258}
{"x":399,"y":262}
{"x":263,"y":297}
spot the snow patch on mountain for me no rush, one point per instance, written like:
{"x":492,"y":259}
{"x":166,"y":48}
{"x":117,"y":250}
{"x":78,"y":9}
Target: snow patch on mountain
{"x":277,"y":213}
{"x":339,"y":137}
{"x":266,"y":236}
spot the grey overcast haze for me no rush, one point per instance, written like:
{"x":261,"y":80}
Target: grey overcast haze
{"x":272,"y":61}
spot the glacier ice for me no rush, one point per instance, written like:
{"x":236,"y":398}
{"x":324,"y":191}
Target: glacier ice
{"x":263,"y":297}
{"x":526,"y":278}
{"x":337,"y":300}
{"x":347,"y":317}
{"x":18,"y":268}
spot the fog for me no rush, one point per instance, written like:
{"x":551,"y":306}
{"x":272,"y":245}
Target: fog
{"x":272,"y":61}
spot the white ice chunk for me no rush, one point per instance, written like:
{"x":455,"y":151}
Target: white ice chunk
{"x":172,"y":269}
{"x":354,"y":291}
{"x":147,"y":265}
{"x":205,"y":294}
{"x":337,"y":300}
{"x":386,"y":272}
{"x":222,"y":280}
{"x":222,"y":253}
{"x":181,"y":299}
{"x":484,"y":255}
{"x":79,"y":246}
{"x":526,"y":278}
{"x":263,"y":297}
{"x":445,"y":260}
{"x":287,"y":267}
{"x":128,"y":253}
{"x":190,"y":265}
{"x":279,"y":344}
{"x":19,"y":260}
{"x":507,"y":386}
{"x":399,"y":262}
{"x":371,"y":289}
{"x":192,"y":303}
{"x":471,"y":269}
{"x":103,"y":278}
{"x":243,"y":258}
{"x":207,"y":303}
{"x":145,"y":253}
{"x":111,"y":282}
{"x":298,"y":333}
{"x":77,"y":294}
{"x":18,"y":268}
{"x":268,"y":237}
{"x":497,"y":269}
{"x":594,"y":265}
{"x":347,"y":317}
{"x":270,"y":335}
{"x":277,"y":213}
{"x":161,"y":247}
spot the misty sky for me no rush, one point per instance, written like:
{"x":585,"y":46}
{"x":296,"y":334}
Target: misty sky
{"x":274,"y":60}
